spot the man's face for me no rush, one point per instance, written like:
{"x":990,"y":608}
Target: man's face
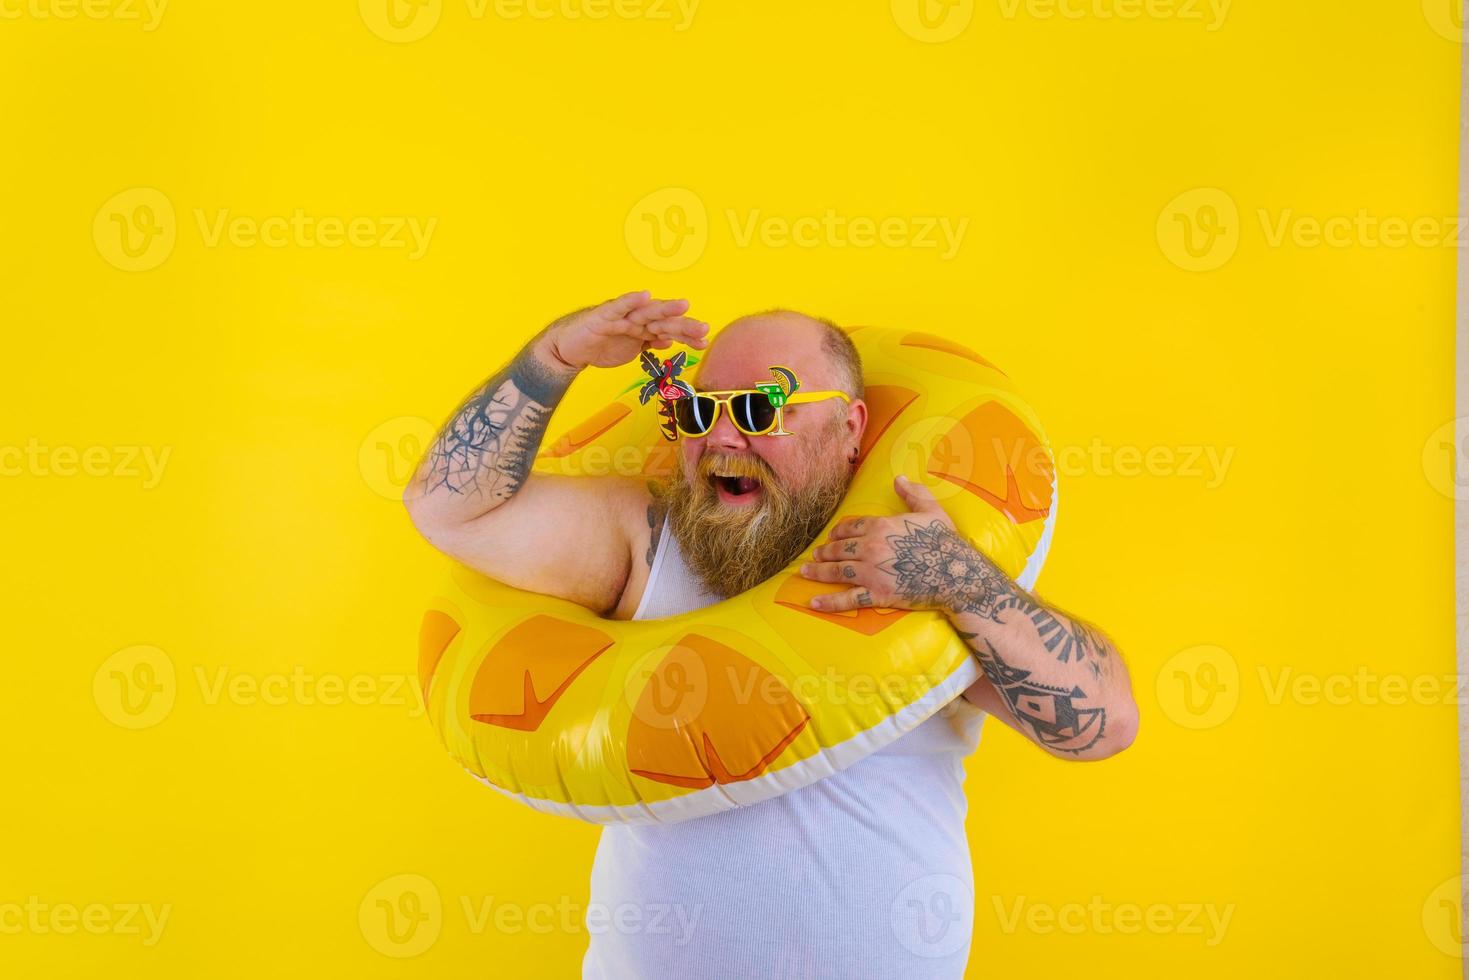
{"x":743,"y":507}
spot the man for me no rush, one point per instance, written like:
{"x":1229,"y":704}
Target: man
{"x":865,"y":873}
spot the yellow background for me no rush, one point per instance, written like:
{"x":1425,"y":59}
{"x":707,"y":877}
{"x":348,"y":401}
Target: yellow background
{"x":289,"y":384}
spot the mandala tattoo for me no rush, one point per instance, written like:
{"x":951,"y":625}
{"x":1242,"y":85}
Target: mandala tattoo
{"x":488,"y":445}
{"x":1052,"y":713}
{"x":934,"y":566}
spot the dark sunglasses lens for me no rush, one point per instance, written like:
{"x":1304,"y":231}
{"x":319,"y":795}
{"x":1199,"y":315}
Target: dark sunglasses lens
{"x":753,"y":413}
{"x":695,"y":415}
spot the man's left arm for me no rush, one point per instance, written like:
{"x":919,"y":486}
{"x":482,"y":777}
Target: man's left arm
{"x":1055,"y":679}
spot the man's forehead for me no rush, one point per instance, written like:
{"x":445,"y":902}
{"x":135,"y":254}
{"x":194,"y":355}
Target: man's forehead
{"x":742,"y":354}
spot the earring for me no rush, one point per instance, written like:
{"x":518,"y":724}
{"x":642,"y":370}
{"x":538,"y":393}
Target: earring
{"x":852,"y":456}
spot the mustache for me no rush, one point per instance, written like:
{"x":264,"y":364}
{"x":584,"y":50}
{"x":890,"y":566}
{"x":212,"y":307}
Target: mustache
{"x":726,"y":464}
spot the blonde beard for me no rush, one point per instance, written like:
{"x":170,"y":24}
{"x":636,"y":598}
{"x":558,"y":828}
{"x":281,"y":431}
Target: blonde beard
{"x":733,"y":549}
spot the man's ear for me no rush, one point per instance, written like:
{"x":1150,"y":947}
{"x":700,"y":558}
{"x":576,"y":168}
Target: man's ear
{"x":857,"y":420}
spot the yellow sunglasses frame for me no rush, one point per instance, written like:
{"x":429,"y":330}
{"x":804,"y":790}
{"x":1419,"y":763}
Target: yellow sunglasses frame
{"x":721,"y":401}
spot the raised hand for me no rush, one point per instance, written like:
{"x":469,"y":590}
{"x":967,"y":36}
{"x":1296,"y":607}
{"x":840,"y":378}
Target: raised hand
{"x":617,"y":331}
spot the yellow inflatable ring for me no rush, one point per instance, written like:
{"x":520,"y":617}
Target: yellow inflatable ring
{"x":665,"y":720}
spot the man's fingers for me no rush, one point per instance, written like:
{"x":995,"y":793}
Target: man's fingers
{"x":625,"y":304}
{"x":850,"y":549}
{"x":831,"y":571}
{"x":659,"y":333}
{"x":856,"y":598}
{"x":850,"y":527}
{"x":685,"y":330}
{"x":658,"y":309}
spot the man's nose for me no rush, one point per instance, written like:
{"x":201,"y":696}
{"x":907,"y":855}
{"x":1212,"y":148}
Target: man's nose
{"x":724,"y":435}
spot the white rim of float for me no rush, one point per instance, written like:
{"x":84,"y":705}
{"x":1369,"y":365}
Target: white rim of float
{"x":722,"y":798}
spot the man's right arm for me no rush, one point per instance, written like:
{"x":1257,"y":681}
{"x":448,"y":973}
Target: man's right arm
{"x":474,"y":497}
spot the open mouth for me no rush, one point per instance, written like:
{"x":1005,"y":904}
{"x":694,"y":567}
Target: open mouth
{"x":736,"y":489}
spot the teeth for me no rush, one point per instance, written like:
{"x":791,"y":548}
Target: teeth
{"x":724,"y":470}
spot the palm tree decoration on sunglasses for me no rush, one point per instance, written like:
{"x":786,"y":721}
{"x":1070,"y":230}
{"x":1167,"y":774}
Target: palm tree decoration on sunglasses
{"x":666,"y":384}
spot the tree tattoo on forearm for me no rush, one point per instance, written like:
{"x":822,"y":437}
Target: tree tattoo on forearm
{"x":935,"y":566}
{"x":489,"y":443}
{"x":1052,"y":713}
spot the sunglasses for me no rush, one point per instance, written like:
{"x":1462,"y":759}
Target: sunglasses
{"x":752,"y":411}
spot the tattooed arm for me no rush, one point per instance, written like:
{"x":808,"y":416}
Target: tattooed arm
{"x":1055,"y":679}
{"x":474,"y":497}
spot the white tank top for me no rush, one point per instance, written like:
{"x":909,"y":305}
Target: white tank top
{"x":864,"y":874}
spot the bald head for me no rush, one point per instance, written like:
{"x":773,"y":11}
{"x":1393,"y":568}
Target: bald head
{"x":820,"y":352}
